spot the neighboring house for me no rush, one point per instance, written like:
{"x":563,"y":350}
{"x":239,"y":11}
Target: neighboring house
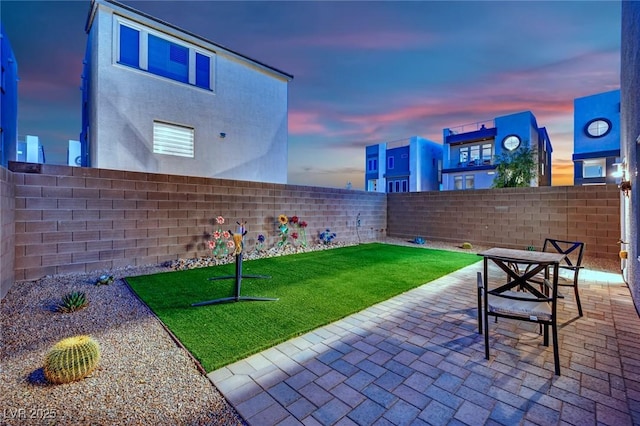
{"x":156,"y":98}
{"x":406,"y":165}
{"x":470,"y":151}
{"x":596,"y":138}
{"x":30,"y":150}
{"x":8,"y":101}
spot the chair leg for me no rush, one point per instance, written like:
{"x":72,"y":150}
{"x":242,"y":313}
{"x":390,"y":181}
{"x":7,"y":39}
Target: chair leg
{"x":575,"y":289}
{"x":556,"y":350}
{"x":480,"y":312}
{"x":486,"y":334}
{"x":546,"y":335}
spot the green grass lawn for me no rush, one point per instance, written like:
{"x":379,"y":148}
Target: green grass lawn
{"x":314,"y":289}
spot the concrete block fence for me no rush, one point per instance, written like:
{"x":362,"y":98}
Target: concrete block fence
{"x":514,"y":218}
{"x":69,"y":219}
{"x":59,"y":219}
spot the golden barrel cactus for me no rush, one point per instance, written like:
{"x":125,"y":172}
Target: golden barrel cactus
{"x":71,"y":359}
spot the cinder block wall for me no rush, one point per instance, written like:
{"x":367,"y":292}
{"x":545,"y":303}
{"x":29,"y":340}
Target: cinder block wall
{"x":70,"y":219}
{"x":67,"y":219}
{"x":7,"y":236}
{"x":514,"y":218}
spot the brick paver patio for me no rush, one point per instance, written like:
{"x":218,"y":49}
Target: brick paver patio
{"x":418,"y":359}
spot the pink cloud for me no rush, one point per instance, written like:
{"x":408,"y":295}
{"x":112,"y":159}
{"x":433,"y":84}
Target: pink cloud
{"x":301,"y":123}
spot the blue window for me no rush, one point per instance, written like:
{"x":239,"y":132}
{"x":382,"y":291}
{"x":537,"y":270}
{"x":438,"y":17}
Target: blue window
{"x":158,"y":55}
{"x":168,"y":59}
{"x":372,"y":165}
{"x":129,"y":46}
{"x":390,"y":163}
{"x":203,"y":71}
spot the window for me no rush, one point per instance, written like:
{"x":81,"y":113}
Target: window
{"x":405,"y":186}
{"x":469,"y":181}
{"x":464,"y":155}
{"x":475,"y":153}
{"x":457,"y":182}
{"x":390,"y":163}
{"x":171,"y":139}
{"x":160,"y":54}
{"x":397,"y":186}
{"x":487,"y":153}
{"x":598,"y":127}
{"x":390,"y":187}
{"x":595,"y":168}
{"x":129,"y":46}
{"x":511,"y":142}
{"x":168,"y":59}
{"x":372,"y":165}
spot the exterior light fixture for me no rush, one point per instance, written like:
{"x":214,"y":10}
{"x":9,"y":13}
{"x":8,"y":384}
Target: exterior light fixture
{"x":223,"y":135}
{"x":621,"y":173}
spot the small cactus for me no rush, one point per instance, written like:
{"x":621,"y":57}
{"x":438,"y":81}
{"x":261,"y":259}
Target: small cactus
{"x":72,"y":302}
{"x":467,"y":246}
{"x":71,"y":359}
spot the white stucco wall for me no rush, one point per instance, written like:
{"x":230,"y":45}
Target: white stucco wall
{"x":248,"y":103}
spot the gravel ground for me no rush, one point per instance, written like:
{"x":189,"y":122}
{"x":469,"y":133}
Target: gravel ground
{"x":143,"y":377}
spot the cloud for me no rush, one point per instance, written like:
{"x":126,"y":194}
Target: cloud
{"x":369,"y":39}
{"x":301,"y":122}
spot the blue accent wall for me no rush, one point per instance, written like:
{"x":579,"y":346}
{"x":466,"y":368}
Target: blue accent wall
{"x":8,"y":101}
{"x":602,"y":105}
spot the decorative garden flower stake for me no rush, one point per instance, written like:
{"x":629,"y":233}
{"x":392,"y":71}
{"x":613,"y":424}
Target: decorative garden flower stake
{"x":284,"y":230}
{"x":221,"y":242}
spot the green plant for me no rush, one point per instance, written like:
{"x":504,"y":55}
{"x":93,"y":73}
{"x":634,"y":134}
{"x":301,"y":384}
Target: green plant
{"x":72,"y":302}
{"x":71,"y":359}
{"x":515,"y":169}
{"x":467,"y":246}
{"x":531,"y":248}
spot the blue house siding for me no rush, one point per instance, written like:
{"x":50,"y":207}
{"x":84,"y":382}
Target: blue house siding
{"x":469,"y":156}
{"x":406,"y":165}
{"x":596,"y":138}
{"x":8,"y":101}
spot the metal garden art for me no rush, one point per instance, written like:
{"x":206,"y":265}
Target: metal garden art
{"x":292,"y":227}
{"x":237,"y":243}
{"x":327,"y":236}
{"x":221,"y":242}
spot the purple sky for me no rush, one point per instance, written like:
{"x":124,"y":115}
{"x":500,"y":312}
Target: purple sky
{"x":364,"y":72}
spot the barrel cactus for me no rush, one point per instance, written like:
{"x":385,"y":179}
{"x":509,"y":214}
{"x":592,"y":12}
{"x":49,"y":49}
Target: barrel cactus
{"x":71,"y":359}
{"x":467,"y":246}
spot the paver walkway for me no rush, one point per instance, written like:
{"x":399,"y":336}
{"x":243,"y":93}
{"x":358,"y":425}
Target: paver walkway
{"x":418,"y":359}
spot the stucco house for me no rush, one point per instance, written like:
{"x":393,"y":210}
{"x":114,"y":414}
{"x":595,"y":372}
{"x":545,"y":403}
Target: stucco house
{"x":405,"y":165}
{"x":470,"y":151}
{"x":596,"y":138}
{"x":157,"y":98}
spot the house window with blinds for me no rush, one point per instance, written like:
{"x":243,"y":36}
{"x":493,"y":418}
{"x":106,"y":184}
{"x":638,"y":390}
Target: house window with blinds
{"x":172,"y":139}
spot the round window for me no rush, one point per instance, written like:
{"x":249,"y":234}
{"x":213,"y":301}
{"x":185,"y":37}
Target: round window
{"x":598,"y":127}
{"x":511,"y":142}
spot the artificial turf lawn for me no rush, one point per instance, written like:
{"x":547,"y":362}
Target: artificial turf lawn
{"x":314,"y":289}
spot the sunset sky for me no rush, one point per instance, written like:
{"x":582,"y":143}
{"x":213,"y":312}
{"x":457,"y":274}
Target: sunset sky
{"x":364,"y":72}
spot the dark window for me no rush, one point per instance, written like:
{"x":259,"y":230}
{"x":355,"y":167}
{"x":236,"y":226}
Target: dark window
{"x":203,"y":71}
{"x":168,"y":59}
{"x":129,"y":46}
